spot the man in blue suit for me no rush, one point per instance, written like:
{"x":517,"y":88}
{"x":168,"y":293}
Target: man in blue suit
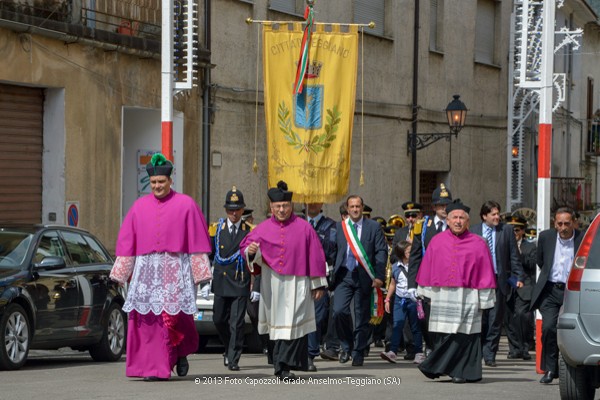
{"x":353,"y":282}
{"x":509,"y":274}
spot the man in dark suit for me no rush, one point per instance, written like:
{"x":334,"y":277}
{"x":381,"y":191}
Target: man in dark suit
{"x":351,"y":280}
{"x":517,"y":319}
{"x":231,"y":280}
{"x":325,"y":228}
{"x":556,"y":249}
{"x":507,"y":264}
{"x":423,"y":231}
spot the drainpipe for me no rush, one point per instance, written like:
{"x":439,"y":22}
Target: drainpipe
{"x":415,"y":105}
{"x":206,"y":110}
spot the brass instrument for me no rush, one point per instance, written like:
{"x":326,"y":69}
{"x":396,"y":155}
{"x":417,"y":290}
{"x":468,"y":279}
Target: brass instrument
{"x":397,"y":220}
{"x":388,"y":269}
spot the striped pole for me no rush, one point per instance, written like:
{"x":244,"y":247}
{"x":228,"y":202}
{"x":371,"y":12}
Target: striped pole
{"x":167,"y":80}
{"x":544,"y":145}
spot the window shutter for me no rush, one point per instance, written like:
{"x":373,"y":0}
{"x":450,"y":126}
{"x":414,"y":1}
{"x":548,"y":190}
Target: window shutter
{"x":366,"y":11}
{"x":485,"y":31}
{"x":433,"y":17}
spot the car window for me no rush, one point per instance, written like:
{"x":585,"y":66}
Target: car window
{"x":80,"y":250}
{"x":99,"y":254}
{"x":593,"y":260}
{"x":49,"y":245}
{"x":13,"y":248}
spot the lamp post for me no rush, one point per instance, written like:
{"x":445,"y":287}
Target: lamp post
{"x":456,"y":112}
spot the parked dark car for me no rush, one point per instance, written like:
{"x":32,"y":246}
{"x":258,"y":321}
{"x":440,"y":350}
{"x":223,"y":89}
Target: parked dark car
{"x":55,"y":292}
{"x":579,"y":322}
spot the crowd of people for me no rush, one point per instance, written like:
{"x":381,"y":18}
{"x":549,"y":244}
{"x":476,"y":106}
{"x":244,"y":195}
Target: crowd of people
{"x":439,"y":288}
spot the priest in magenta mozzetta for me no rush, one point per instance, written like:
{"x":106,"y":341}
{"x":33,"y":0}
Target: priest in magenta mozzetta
{"x":457,"y":274}
{"x":286,"y":251}
{"x":162,"y":248}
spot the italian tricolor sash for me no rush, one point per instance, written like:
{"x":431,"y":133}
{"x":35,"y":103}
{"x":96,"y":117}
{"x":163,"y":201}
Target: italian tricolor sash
{"x":361,"y":256}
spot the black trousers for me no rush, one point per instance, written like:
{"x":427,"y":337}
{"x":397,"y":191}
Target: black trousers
{"x":491,"y":327}
{"x":355,"y":340}
{"x":517,"y":321}
{"x":551,"y":299}
{"x":228,"y":316}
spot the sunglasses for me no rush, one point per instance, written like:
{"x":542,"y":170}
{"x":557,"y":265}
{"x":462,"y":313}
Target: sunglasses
{"x":411,"y":215}
{"x":517,"y":228}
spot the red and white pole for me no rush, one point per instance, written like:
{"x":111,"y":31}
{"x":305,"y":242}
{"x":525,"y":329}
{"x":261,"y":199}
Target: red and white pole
{"x":167,"y":79}
{"x":545,"y":144}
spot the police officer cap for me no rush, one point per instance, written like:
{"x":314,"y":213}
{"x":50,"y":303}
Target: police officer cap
{"x":531,"y":232}
{"x":390,"y":230}
{"x":159,"y":165}
{"x":516,"y":221}
{"x":441,"y":195}
{"x":381,"y":220}
{"x":247,"y":212}
{"x":280,"y":193}
{"x":411,"y":207}
{"x":234,"y":200}
{"x":367,"y":210}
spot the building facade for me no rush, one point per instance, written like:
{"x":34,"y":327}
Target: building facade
{"x":97,"y":75}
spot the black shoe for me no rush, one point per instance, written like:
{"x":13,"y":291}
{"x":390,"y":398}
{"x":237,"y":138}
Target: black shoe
{"x":366,"y":351}
{"x":154,"y":379}
{"x":287,"y":376}
{"x":357,"y":362}
{"x":526,"y":356}
{"x":182,"y":366}
{"x":311,"y":365}
{"x":548,"y":377}
{"x":233,"y":367}
{"x":456,"y":379}
{"x":330,"y":355}
{"x":409,"y":356}
{"x":344,"y":357}
{"x":225,"y":360}
{"x":491,"y":363}
{"x":379,"y":343}
{"x":265,"y":350}
{"x":513,"y":356}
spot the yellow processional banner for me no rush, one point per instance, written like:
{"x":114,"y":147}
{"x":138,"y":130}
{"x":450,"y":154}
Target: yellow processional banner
{"x":309,"y":134}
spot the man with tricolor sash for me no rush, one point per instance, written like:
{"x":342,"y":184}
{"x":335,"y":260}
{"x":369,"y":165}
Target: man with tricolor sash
{"x":359,"y":273}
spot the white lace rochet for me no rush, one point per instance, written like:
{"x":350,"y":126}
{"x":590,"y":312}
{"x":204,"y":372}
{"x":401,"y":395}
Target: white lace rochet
{"x":162,"y":282}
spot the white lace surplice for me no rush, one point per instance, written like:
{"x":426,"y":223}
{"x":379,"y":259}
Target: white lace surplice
{"x":162,"y":282}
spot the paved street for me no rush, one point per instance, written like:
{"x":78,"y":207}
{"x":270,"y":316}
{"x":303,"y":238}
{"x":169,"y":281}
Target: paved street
{"x":72,"y":375}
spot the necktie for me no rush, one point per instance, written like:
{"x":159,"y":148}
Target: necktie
{"x":351,"y":261}
{"x":233,"y":230}
{"x":440,"y":226}
{"x":312,"y":222}
{"x":489,"y":238}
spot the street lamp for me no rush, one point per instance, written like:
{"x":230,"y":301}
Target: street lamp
{"x":456,"y":112}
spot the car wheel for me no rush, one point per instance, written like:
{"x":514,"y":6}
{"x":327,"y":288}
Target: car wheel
{"x":574,"y":382}
{"x":112,"y":344}
{"x":15,"y":334}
